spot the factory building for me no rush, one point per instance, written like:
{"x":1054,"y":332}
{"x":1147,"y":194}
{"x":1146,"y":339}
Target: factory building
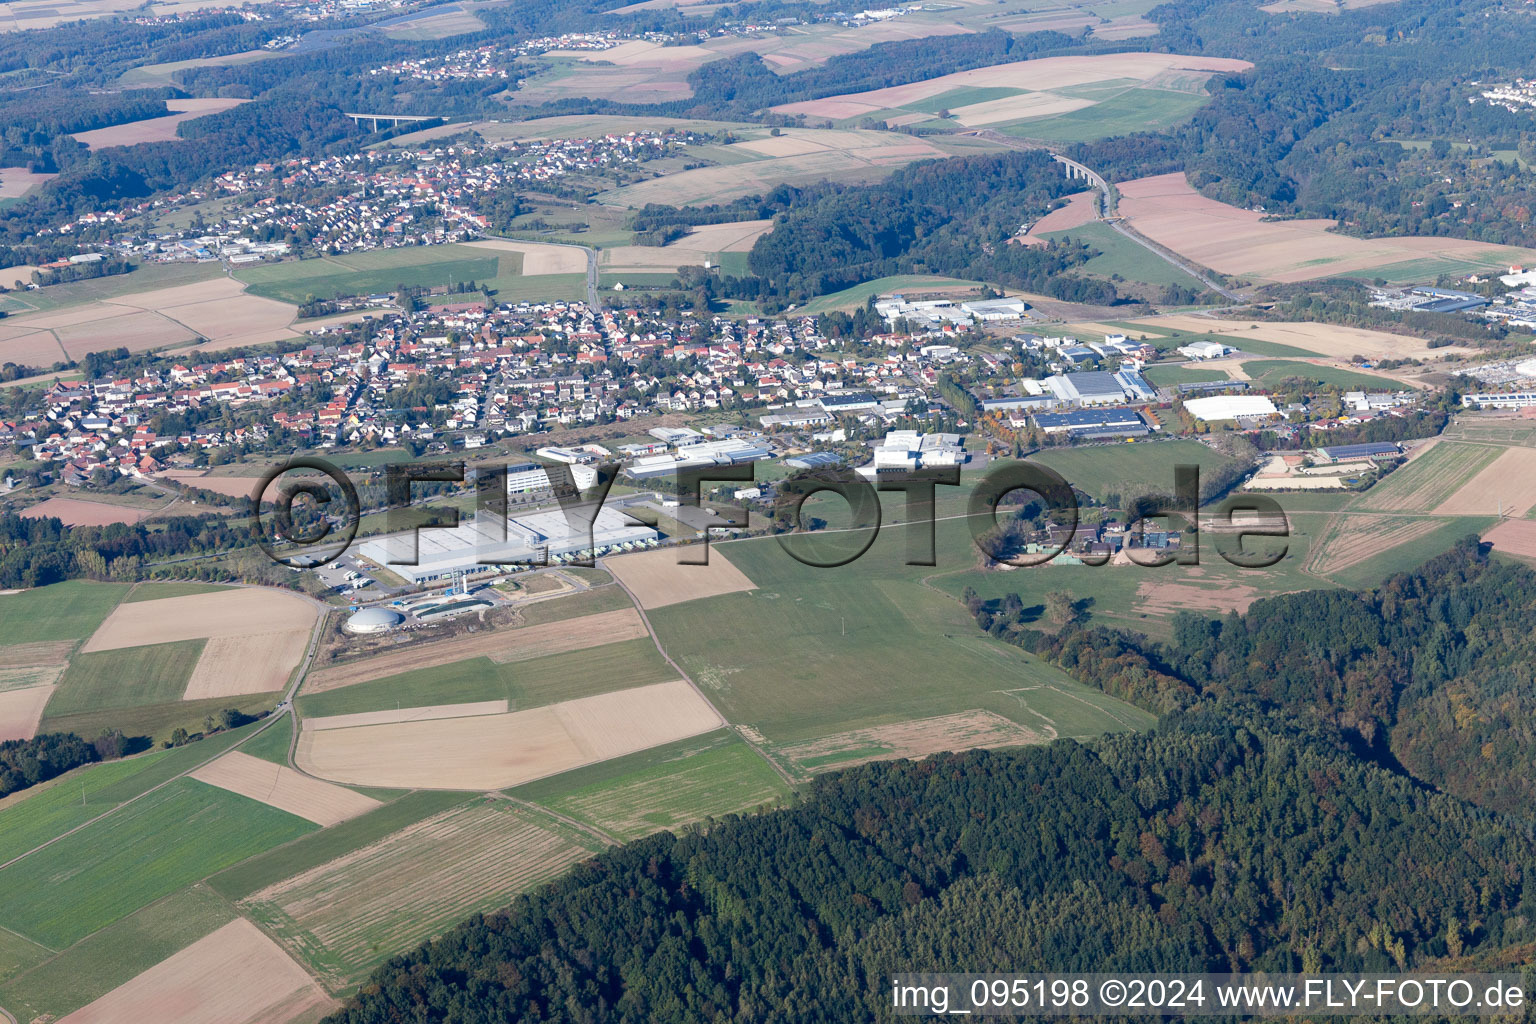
{"x":1093,"y":387}
{"x":1231,"y":407}
{"x":477,"y":546}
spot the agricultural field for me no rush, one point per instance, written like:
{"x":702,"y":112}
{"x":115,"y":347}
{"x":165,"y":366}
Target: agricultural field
{"x":155,"y":129}
{"x":1120,"y":255}
{"x":658,"y":578}
{"x":501,"y":646}
{"x":1428,"y":479}
{"x":1126,"y":469}
{"x":1505,"y":486}
{"x":513,"y":270}
{"x":853,"y":625}
{"x":1232,"y":241}
{"x":796,"y":156}
{"x":520,"y":684}
{"x":344,"y":917}
{"x":126,"y":678}
{"x":708,"y":243}
{"x":853,"y":297}
{"x":1362,"y":550}
{"x":71,"y":610}
{"x":1136,"y":91}
{"x":1273,"y":372}
{"x":134,"y":856}
{"x":1514,"y":537}
{"x":482,"y":751}
{"x":666,"y":788}
{"x":282,"y":787}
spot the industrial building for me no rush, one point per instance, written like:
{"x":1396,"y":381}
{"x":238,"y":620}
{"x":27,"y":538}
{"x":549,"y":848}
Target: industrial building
{"x":477,"y":546}
{"x":1204,"y":350}
{"x":1231,"y":407}
{"x":1093,"y":387}
{"x":1359,"y":452}
{"x":532,"y":477}
{"x":815,"y":460}
{"x":373,"y":620}
{"x":728,"y":451}
{"x":902,"y":451}
{"x":1088,"y":424}
{"x":1500,"y":400}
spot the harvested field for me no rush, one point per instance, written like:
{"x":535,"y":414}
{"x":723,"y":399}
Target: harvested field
{"x":282,"y":787}
{"x":234,"y":976}
{"x":12,"y":678}
{"x":16,"y":182}
{"x":421,"y":714}
{"x":692,"y":250}
{"x":1507,"y":484}
{"x":655,"y":579}
{"x":136,"y":331}
{"x":1429,"y":478}
{"x":1514,"y":537}
{"x":1168,"y":598}
{"x":75,"y":512}
{"x":497,"y":751}
{"x":154,"y":129}
{"x":347,"y":915}
{"x":1034,"y":80}
{"x":1233,"y":241}
{"x":218,"y":310}
{"x":503,"y":646}
{"x":1353,"y":538}
{"x":840,"y":155}
{"x":43,"y":652}
{"x":231,"y":666}
{"x":540,"y":258}
{"x":966,"y":730}
{"x":16,"y":277}
{"x":1328,"y":340}
{"x":1079,"y":210}
{"x":231,"y":613}
{"x":21,"y":710}
{"x":231,"y":486}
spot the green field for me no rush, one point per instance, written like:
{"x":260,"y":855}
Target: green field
{"x":154,"y":846}
{"x":859,"y":294}
{"x":18,"y":954}
{"x":1429,"y":479}
{"x":159,"y":591}
{"x":147,"y":277}
{"x":1172,"y":376}
{"x":37,"y":815}
{"x":126,"y":678}
{"x":1101,"y":470}
{"x":587,"y":602}
{"x":962,"y":97}
{"x":156,"y":722}
{"x":321,"y":847}
{"x":96,"y":965}
{"x":1273,"y":372}
{"x":665,"y":788}
{"x":872,"y":646}
{"x":63,"y":611}
{"x":1409,"y":556}
{"x":1133,"y":110}
{"x":525,"y":684}
{"x":1121,"y":255}
{"x":272,"y":743}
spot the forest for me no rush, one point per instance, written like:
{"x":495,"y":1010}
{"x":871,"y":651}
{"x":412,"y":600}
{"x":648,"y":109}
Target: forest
{"x":1316,"y":796}
{"x":953,"y":217}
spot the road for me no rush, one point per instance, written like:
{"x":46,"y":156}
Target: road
{"x":1108,"y":211}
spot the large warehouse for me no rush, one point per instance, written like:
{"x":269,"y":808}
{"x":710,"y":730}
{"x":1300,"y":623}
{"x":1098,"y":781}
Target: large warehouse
{"x":476,"y":546}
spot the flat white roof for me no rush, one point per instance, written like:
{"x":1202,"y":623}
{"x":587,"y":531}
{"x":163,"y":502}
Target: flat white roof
{"x":1230,"y":407}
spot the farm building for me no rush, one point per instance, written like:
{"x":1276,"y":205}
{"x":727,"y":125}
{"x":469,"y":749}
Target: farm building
{"x":1231,"y":407}
{"x":479,"y":545}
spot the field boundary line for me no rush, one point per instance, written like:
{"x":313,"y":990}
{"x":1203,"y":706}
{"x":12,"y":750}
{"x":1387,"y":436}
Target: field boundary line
{"x":528,"y":805}
{"x":656,"y":639}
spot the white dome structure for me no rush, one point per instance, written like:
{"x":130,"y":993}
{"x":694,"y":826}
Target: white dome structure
{"x":373,"y":620}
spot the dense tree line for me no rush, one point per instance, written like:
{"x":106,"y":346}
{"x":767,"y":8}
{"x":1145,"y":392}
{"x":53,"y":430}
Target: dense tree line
{"x":954,"y":217}
{"x":1218,"y":842}
{"x":1431,"y":671}
{"x":35,"y":125}
{"x":25,"y":763}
